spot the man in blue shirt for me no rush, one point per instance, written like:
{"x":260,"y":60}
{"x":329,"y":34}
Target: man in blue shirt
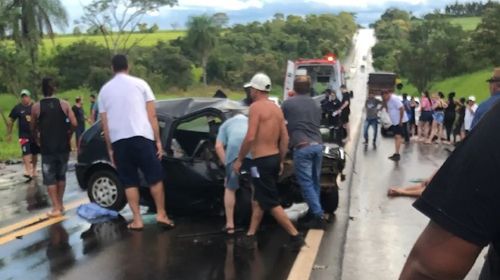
{"x":229,"y":139}
{"x":494,"y":98}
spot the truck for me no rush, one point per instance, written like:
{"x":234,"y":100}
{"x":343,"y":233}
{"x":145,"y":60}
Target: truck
{"x":325,"y":72}
{"x":377,"y":83}
{"x":380,"y":81}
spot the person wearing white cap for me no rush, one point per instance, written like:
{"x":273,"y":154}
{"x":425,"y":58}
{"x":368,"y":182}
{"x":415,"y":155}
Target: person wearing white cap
{"x":267,"y":140}
{"x":470,"y":111}
{"x":22,"y":113}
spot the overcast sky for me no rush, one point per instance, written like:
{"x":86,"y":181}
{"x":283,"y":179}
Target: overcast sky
{"x":242,"y":11}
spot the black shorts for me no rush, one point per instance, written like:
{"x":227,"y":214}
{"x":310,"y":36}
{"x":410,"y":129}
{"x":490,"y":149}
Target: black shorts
{"x":344,"y":117}
{"x":134,"y":154}
{"x":426,"y":116}
{"x":396,"y":129}
{"x":29,"y":147}
{"x":463,"y":197}
{"x":54,"y":168}
{"x":265,"y":172}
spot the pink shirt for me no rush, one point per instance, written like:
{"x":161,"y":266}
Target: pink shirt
{"x":426,"y":104}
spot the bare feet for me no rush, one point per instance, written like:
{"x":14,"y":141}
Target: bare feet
{"x":54,"y":213}
{"x":136,"y":225}
{"x":393,"y":192}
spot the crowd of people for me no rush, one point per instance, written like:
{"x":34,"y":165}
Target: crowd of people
{"x":440,"y":119}
{"x":460,"y":198}
{"x":335,"y":114}
{"x":256,"y":144}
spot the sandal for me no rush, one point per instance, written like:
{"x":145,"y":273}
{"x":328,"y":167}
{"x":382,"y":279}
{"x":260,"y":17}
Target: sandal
{"x":228,"y":230}
{"x":165,"y":226}
{"x":28,"y":177}
{"x":130,"y":227}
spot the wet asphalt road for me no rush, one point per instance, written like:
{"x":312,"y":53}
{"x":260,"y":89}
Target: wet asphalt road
{"x":75,"y":249}
{"x":381,"y":231}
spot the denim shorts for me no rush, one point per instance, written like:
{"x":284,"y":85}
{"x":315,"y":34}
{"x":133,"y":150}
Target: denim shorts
{"x":233,"y":179}
{"x":438,"y":117}
{"x":134,"y":154}
{"x":54,"y":168}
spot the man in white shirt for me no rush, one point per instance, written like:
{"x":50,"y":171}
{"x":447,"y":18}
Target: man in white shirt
{"x":128,"y":116}
{"x":470,"y":111}
{"x":397,"y":114}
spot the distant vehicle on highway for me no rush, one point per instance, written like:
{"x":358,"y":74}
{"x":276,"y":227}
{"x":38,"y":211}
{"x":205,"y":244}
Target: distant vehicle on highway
{"x":194,"y":178}
{"x":325,"y":72}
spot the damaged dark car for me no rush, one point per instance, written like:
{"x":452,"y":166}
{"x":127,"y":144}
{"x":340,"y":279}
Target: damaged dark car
{"x":194,"y":177}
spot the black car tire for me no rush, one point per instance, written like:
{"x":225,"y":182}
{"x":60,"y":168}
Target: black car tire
{"x":329,"y":199}
{"x":105,"y":189}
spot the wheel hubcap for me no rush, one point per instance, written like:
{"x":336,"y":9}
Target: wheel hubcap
{"x":105,"y":192}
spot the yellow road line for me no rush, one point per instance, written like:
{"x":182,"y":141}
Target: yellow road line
{"x":38,"y":218}
{"x":31,"y":229}
{"x":303,"y":265}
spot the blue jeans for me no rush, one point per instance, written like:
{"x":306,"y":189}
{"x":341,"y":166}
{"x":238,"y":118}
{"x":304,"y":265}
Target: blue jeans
{"x":307,"y":163}
{"x":368,"y":123}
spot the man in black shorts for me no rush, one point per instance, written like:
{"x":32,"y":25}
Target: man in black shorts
{"x":22,"y":113}
{"x":267,"y":140}
{"x":53,"y":122}
{"x":399,"y":119}
{"x":462,"y":201}
{"x":128,"y":114}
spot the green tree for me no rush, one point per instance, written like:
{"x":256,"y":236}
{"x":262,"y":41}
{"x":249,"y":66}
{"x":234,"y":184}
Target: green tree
{"x":202,"y":39}
{"x":117,"y":20}
{"x":434,"y":52}
{"x":486,"y":39}
{"x":168,"y":62}
{"x":77,"y":31}
{"x":29,"y":20}
{"x":220,"y":19}
{"x":76,"y":61}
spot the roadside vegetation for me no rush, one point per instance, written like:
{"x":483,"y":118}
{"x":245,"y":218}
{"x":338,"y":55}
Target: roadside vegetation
{"x":146,"y":39}
{"x":207,"y":56}
{"x":442,"y":46}
{"x":467,"y":23}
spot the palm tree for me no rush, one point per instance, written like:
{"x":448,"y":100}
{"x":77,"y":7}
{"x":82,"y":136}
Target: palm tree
{"x":202,"y":38}
{"x":29,"y":20}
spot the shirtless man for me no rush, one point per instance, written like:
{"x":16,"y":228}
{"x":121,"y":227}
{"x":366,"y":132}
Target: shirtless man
{"x":267,"y":140}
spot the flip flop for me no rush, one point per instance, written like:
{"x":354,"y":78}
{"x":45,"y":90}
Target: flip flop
{"x":28,"y":177}
{"x":228,"y":230}
{"x":165,"y":226}
{"x":130,"y":227}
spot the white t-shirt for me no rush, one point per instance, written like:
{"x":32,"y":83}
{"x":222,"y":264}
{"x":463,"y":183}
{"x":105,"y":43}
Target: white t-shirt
{"x":469,"y":116}
{"x":123,"y":99}
{"x":394,"y":105}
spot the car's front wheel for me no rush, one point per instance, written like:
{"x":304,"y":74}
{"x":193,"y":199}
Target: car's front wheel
{"x":105,"y":190}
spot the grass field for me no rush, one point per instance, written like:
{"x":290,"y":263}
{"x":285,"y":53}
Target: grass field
{"x":467,"y":23}
{"x":464,"y":85}
{"x":10,"y":150}
{"x":149,"y":39}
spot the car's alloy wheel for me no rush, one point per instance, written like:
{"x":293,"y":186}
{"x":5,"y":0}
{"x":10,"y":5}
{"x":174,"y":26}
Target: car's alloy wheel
{"x":105,"y":191}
